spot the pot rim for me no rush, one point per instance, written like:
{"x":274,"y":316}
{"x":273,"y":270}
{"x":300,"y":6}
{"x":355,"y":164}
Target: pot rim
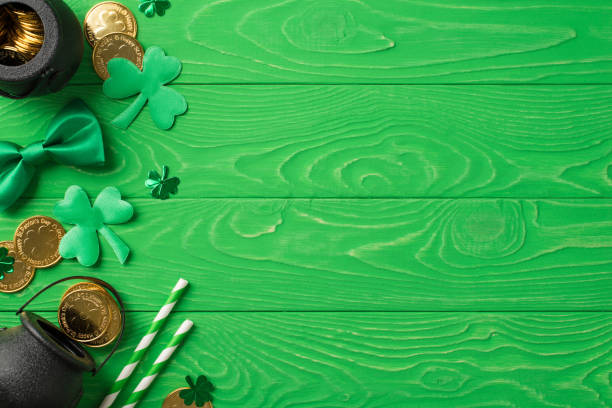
{"x":48,"y":334}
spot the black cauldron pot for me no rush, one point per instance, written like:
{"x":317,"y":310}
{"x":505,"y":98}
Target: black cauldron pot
{"x":56,"y":61}
{"x":41,"y":367}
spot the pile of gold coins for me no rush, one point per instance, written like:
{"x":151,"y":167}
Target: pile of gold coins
{"x":22,"y":34}
{"x":110,"y":28}
{"x":90,"y":315}
{"x":34,"y":246}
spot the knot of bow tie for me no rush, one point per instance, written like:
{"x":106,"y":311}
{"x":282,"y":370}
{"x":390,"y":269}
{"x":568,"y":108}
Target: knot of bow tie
{"x":73,"y":138}
{"x":34,"y":154}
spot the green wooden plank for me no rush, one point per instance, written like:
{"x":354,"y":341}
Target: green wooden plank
{"x":349,"y":141}
{"x":282,"y":360}
{"x":372,"y":41}
{"x":249,"y":254}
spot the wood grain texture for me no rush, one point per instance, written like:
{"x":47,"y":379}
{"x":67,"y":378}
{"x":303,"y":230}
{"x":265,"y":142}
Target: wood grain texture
{"x":371,"y":41}
{"x":494,"y":254}
{"x":349,"y":141}
{"x":316,"y":360}
{"x":357,"y":245}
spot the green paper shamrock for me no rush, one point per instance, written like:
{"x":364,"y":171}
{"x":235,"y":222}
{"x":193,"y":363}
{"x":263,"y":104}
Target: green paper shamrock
{"x":150,"y":7}
{"x":127,"y":80}
{"x":6,"y":262}
{"x":162,"y":186}
{"x":81,"y":242}
{"x":200,"y":392}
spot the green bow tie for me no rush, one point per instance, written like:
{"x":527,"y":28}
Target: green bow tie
{"x":73,"y":138}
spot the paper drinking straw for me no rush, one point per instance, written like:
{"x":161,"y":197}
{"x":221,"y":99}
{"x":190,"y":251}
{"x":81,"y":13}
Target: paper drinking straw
{"x":158,"y":365}
{"x":145,"y":343}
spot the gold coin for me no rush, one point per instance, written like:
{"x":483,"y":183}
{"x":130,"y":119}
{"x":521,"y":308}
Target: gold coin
{"x":22,"y":273}
{"x":12,"y":57}
{"x":37,"y":241}
{"x":173,"y":400}
{"x":84,"y":315}
{"x":22,"y":32}
{"x":83,"y":286}
{"x":115,"y":324}
{"x":116,"y":46}
{"x":115,"y":314}
{"x":107,"y":18}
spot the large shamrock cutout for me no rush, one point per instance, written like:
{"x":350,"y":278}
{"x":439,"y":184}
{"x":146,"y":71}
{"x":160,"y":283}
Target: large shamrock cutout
{"x":127,"y":80}
{"x":81,"y":242}
{"x":200,"y":392}
{"x":150,"y":7}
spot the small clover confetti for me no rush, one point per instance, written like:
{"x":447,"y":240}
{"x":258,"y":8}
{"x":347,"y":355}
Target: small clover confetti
{"x":200,"y":392}
{"x":6,"y":262}
{"x":81,"y":242}
{"x":127,"y":80}
{"x":150,"y":7}
{"x":162,"y":186}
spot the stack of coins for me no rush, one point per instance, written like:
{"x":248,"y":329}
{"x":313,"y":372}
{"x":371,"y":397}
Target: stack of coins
{"x":90,"y":315}
{"x":110,"y":28}
{"x":22,"y":34}
{"x":34,"y":246}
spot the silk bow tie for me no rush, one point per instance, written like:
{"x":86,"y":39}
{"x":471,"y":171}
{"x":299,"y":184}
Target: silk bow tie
{"x":73,"y":138}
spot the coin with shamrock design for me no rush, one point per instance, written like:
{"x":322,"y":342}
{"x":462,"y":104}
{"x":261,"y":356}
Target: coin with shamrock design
{"x":106,"y":18}
{"x":84,"y":315}
{"x":114,"y":327}
{"x":22,"y":273}
{"x":37,"y":241}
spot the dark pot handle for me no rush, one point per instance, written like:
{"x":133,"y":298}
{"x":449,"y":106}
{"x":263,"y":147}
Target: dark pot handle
{"x":99,"y":282}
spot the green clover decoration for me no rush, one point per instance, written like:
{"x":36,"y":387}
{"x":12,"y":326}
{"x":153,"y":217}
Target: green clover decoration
{"x":149,"y":84}
{"x":200,"y":392}
{"x":81,"y":242}
{"x":152,"y":7}
{"x":162,"y":186}
{"x":6,"y":262}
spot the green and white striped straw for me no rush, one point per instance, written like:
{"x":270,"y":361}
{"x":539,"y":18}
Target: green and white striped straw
{"x":158,"y":365}
{"x":145,"y":343}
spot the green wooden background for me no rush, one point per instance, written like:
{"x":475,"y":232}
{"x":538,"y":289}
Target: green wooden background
{"x":394,"y":203}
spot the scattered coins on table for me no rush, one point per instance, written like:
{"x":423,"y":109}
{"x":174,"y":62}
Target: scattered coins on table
{"x":90,"y":315}
{"x":35,"y":245}
{"x":111,"y":28}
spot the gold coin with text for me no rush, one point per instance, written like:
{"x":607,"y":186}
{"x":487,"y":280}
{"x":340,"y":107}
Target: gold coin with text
{"x":37,"y":241}
{"x":84,"y":315}
{"x":116,"y":46}
{"x":114,"y":327}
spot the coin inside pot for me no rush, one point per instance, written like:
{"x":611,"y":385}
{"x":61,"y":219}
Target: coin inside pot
{"x":22,"y":34}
